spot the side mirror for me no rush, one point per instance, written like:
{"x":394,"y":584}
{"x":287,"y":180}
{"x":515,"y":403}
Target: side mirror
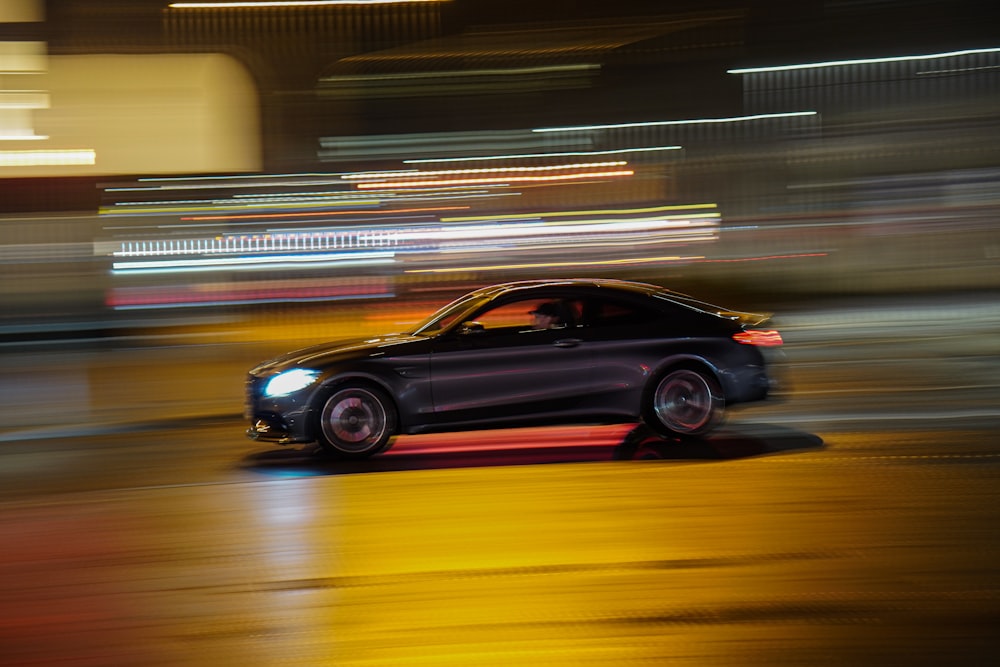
{"x":471,"y":328}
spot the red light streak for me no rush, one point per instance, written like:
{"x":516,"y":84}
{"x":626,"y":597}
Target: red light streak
{"x":759,"y":337}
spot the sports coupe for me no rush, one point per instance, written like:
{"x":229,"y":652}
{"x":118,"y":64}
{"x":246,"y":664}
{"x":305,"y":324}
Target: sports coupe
{"x":518,"y":354}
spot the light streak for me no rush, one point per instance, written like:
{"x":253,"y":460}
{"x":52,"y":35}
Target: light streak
{"x":861,"y":61}
{"x":246,"y":291}
{"x":234,"y":207}
{"x":290,"y":3}
{"x":512,"y":179}
{"x":516,"y":216}
{"x":381,"y":212}
{"x":528,"y":230}
{"x":958,"y":70}
{"x":765,"y":257}
{"x":516,"y":156}
{"x":332,"y":179}
{"x":413,"y":76}
{"x":486,"y":170}
{"x":47,"y":157}
{"x":552,"y":265}
{"x":695,"y":121}
{"x":243,"y":263}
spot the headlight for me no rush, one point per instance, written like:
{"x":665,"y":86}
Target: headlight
{"x":289,"y":382}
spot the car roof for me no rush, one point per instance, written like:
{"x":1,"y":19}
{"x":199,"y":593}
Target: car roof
{"x":608,"y":283}
{"x":622,"y":286}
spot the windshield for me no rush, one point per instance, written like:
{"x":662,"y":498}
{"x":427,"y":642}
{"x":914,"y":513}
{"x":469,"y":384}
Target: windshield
{"x":446,"y":316}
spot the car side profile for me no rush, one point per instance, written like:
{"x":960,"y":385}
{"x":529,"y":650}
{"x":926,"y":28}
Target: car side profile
{"x":518,"y":354}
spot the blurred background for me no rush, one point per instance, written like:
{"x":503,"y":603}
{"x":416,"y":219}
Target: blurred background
{"x":166,"y":164}
{"x":189,"y":188}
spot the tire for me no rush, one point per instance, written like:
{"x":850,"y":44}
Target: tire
{"x":684,"y":402}
{"x":356,"y":422}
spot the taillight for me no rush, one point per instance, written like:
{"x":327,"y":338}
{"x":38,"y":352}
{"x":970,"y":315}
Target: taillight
{"x":759,"y":337}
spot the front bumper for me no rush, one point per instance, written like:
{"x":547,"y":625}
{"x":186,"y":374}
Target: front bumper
{"x":283,"y":421}
{"x":269,"y":431}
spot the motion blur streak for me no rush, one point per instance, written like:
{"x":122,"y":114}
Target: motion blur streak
{"x":555,"y":265}
{"x":472,"y":158}
{"x":660,"y":123}
{"x":45,"y":157}
{"x":290,"y":3}
{"x":301,"y":214}
{"x":862,"y":61}
{"x":490,"y":170}
{"x":509,"y":179}
{"x":291,"y":225}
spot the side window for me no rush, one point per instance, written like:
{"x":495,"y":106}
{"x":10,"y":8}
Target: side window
{"x":532,"y":314}
{"x":514,"y":315}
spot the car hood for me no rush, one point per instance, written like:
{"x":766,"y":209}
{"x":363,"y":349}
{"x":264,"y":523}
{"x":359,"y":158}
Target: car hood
{"x":324,"y":354}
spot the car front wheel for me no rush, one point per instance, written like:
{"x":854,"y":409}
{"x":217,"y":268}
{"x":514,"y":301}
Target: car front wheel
{"x":684,"y":401}
{"x":356,"y":422}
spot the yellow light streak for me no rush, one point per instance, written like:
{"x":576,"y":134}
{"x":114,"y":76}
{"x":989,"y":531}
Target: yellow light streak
{"x":554,"y":214}
{"x":290,"y":3}
{"x":411,"y":173}
{"x":511,"y":179}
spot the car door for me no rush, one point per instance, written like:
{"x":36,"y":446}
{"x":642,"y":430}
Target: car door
{"x":502,"y":369}
{"x":627,"y":339}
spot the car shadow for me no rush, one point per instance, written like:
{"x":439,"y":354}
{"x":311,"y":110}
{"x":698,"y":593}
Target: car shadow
{"x":637,"y":443}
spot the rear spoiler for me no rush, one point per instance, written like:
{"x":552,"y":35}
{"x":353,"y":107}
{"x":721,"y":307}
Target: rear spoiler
{"x":746,"y":319}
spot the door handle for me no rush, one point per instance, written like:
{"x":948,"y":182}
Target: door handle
{"x":567,"y":342}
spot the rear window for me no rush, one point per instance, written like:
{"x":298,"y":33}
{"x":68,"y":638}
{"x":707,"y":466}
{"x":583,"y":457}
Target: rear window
{"x":609,"y":313}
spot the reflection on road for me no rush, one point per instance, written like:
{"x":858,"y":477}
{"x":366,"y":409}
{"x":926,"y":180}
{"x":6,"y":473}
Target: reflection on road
{"x":533,"y":446}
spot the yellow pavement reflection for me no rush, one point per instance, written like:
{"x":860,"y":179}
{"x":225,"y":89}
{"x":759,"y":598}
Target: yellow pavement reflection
{"x":616,"y":563}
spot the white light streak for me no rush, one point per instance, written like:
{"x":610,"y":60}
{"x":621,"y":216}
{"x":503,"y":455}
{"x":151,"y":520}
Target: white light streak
{"x":555,"y":214}
{"x":696,"y":121}
{"x":23,"y":137}
{"x":253,"y":263}
{"x":861,"y":61}
{"x":528,"y":230}
{"x":517,"y":156}
{"x":46,"y":158}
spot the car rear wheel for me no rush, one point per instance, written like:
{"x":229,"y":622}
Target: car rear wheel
{"x":356,"y":422}
{"x":685,"y":401}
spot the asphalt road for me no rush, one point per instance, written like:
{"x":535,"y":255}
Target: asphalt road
{"x":853,"y":522}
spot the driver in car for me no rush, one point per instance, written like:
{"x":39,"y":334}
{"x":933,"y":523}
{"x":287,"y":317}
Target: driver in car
{"x":546,"y":316}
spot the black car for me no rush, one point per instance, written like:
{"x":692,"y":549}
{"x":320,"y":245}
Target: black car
{"x":518,"y":354}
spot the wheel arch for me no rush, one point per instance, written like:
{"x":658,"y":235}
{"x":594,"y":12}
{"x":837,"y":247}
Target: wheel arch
{"x":331,"y":383}
{"x":676,"y":422}
{"x":684,"y":361}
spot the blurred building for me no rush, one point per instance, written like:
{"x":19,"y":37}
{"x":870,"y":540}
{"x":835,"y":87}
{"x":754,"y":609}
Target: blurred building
{"x":440,"y":66}
{"x":831,"y":158}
